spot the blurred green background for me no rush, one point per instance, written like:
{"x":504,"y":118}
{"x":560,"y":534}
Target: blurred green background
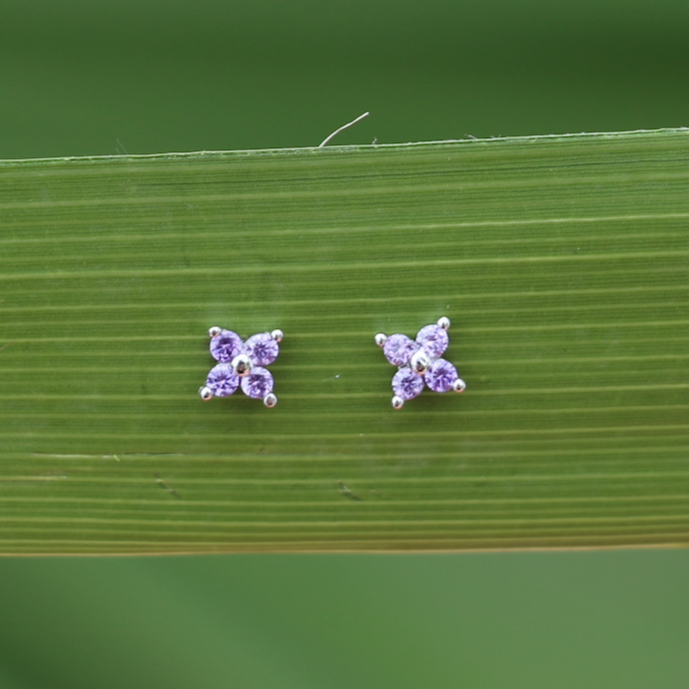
{"x":82,"y":77}
{"x":168,"y":75}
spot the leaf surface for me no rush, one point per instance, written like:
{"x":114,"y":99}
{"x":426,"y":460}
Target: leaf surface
{"x":562,"y":262}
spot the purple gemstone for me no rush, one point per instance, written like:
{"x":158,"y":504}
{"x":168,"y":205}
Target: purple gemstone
{"x":226,"y":346}
{"x":433,"y":339}
{"x":407,"y":384}
{"x":262,"y":349}
{"x":441,"y":375}
{"x":222,"y":380}
{"x":398,"y":349}
{"x":258,"y":383}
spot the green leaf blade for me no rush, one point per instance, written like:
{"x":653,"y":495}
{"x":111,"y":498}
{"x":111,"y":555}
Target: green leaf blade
{"x":562,"y":262}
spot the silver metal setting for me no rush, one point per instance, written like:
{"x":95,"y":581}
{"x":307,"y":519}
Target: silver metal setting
{"x":242,"y":365}
{"x":205,"y":393}
{"x":277,"y":335}
{"x":214,"y":331}
{"x":444,"y":322}
{"x":381,"y":339}
{"x":459,"y":385}
{"x":397,"y":402}
{"x":420,"y":362}
{"x":270,"y":400}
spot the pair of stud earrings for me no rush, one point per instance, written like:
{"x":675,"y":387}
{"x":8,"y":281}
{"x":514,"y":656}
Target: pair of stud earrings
{"x":243,"y":364}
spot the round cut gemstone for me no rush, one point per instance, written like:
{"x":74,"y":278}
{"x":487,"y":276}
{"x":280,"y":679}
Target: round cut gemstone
{"x":258,"y":383}
{"x":433,"y":339}
{"x":226,"y":346}
{"x":222,"y":380}
{"x":262,"y":349}
{"x":398,"y":349}
{"x":441,"y":376}
{"x":407,"y":384}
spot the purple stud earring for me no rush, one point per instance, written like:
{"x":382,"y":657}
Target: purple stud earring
{"x":419,"y":362}
{"x":242,"y":364}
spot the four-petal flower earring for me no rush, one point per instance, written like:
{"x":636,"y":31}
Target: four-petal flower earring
{"x":242,"y":363}
{"x":419,"y":363}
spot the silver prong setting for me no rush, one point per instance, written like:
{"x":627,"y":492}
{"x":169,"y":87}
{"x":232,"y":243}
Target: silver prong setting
{"x":242,"y":365}
{"x":205,"y":393}
{"x":459,"y":385}
{"x":444,"y":322}
{"x":397,"y":402}
{"x":420,"y":362}
{"x":277,"y":335}
{"x":214,"y":331}
{"x":381,"y":339}
{"x":270,"y":400}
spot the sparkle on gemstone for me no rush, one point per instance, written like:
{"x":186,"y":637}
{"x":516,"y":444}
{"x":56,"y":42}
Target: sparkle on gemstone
{"x":398,"y":349}
{"x":407,"y":384}
{"x":225,"y":346}
{"x":262,"y":349}
{"x":441,"y":376}
{"x":433,"y":339}
{"x":222,"y":380}
{"x":258,"y":383}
